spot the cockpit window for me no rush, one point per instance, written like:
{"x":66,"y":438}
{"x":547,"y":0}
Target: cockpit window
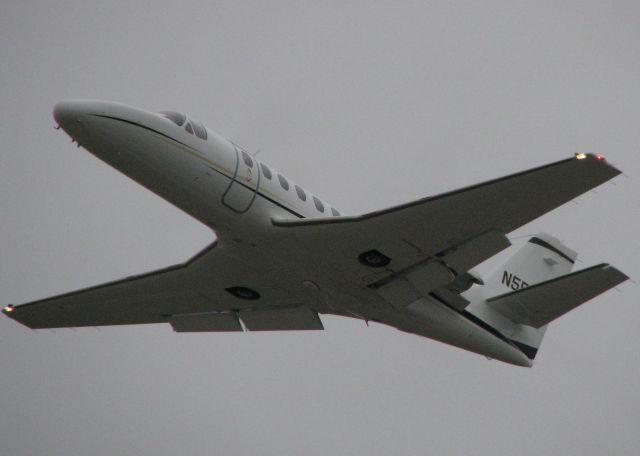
{"x":199,"y":130}
{"x":193,"y":127}
{"x":175,"y":117}
{"x":335,"y":212}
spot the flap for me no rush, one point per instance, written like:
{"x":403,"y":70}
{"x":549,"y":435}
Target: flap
{"x":281,"y":319}
{"x":206,"y":322}
{"x":474,"y":251}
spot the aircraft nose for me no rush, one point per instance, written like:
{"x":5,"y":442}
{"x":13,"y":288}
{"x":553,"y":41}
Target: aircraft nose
{"x":67,"y":112}
{"x":73,"y":116}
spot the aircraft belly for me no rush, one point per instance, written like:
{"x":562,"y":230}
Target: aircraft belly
{"x":432,"y":319}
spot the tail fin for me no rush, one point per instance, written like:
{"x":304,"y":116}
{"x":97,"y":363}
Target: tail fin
{"x":541,"y":259}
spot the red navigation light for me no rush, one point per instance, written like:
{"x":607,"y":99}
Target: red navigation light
{"x":8,"y":308}
{"x":599,"y":157}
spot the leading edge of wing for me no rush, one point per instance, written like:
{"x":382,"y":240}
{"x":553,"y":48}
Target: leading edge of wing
{"x":607,"y":172}
{"x":29,"y":313}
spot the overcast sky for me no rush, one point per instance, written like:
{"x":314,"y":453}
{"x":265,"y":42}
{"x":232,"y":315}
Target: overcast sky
{"x":367,"y":104}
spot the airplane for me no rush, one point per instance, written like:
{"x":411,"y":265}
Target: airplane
{"x":282,"y":256}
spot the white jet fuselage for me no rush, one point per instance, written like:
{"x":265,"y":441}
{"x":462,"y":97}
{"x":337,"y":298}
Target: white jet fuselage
{"x":282,"y":256}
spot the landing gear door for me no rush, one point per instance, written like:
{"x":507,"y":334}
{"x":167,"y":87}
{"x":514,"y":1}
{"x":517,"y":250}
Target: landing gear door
{"x":243,"y":188}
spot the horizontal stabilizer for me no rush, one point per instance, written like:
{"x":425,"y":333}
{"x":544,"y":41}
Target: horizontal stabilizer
{"x":542,"y":303}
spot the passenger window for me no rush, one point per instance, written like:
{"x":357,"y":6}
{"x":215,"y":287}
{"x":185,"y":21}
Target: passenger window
{"x":174,"y":117}
{"x":247,"y":159}
{"x":199,"y":130}
{"x":301,"y":194}
{"x":283,"y":182}
{"x":265,"y":171}
{"x":188,"y":128}
{"x":318,"y":204}
{"x":335,"y":212}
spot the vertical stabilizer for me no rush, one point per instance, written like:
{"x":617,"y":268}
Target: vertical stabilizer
{"x":542,"y":258}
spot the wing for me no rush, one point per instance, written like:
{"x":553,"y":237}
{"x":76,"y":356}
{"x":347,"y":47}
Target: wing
{"x":147,"y":298}
{"x":199,"y":295}
{"x":433,"y":237}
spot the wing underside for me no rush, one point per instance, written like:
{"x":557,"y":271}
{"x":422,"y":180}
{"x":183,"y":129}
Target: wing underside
{"x":148,"y":298}
{"x":192,"y":297}
{"x":459,"y":229}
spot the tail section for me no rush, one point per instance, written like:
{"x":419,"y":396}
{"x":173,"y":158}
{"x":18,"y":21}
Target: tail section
{"x":535,"y":287}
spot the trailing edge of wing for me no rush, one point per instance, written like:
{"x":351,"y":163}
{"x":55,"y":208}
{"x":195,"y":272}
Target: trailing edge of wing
{"x":542,"y":303}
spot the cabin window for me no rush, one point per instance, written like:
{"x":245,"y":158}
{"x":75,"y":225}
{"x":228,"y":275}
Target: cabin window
{"x":247,"y":159}
{"x":301,"y":194}
{"x":199,"y":130}
{"x":335,"y":212}
{"x":265,"y":171}
{"x":283,"y":182}
{"x":318,"y":204}
{"x":175,"y":117}
{"x":189,"y":128}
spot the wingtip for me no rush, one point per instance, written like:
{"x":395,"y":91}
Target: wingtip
{"x":8,"y":311}
{"x":598,"y":159}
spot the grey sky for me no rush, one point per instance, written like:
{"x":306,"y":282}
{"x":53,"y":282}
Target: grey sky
{"x":367,"y":104}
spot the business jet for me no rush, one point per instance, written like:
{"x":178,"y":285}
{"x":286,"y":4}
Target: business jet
{"x":283,"y":256}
